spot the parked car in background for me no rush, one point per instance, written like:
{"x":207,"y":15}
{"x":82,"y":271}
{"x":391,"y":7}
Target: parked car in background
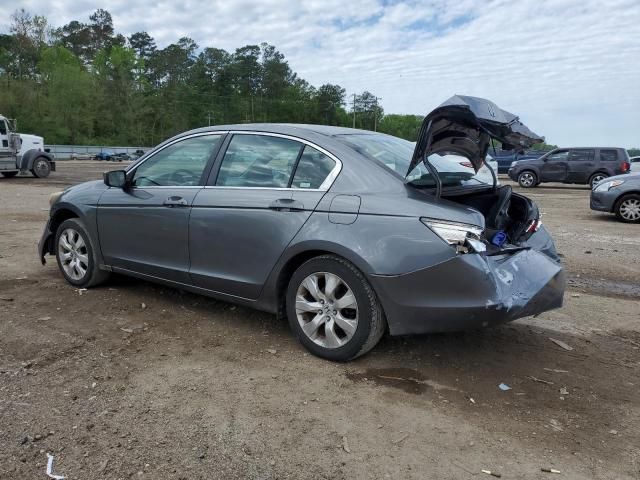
{"x":104,"y":155}
{"x":619,"y":195}
{"x":347,"y":233}
{"x":119,"y":157}
{"x":484,"y":174}
{"x":571,"y":165}
{"x":635,"y":164}
{"x":505,"y":158}
{"x":81,"y":156}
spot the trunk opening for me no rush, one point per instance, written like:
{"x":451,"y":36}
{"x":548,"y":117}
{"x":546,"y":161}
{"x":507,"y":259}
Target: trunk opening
{"x":514,"y":215}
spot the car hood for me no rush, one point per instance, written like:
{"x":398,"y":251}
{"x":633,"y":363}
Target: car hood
{"x":465,"y":125}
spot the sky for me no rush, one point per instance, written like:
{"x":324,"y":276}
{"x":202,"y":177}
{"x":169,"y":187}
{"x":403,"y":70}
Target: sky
{"x":569,"y":68}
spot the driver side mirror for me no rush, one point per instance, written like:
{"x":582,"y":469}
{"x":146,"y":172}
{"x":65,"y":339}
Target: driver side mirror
{"x":115,"y":178}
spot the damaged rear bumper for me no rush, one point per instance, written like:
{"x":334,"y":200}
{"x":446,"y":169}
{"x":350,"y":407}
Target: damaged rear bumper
{"x":471,"y":291}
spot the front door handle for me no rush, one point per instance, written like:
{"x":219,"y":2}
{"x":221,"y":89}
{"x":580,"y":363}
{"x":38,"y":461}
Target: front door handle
{"x":286,"y":205}
{"x":175,"y":201}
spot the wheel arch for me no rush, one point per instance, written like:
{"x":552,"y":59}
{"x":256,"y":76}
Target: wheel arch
{"x":29,"y":157}
{"x":273,"y":294}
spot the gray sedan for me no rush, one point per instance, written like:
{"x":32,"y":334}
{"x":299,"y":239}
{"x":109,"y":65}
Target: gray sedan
{"x":619,"y":195}
{"x":346,"y":233}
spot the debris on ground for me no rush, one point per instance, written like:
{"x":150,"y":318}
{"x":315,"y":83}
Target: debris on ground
{"x":564,"y":391}
{"x":401,"y":439}
{"x":561,"y":344}
{"x":272,"y":351}
{"x":50,"y":473}
{"x":472,"y":400}
{"x":345,"y":444}
{"x":6,"y":299}
{"x":555,"y":425}
{"x":493,"y":474}
{"x":135,"y":328}
{"x":555,"y":370}
{"x":549,"y":470}
{"x":504,"y":387}
{"x":539,"y":380}
{"x":143,"y":306}
{"x":613,"y":432}
{"x":81,"y":291}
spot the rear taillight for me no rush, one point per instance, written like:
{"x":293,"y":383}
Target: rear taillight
{"x":625,"y":167}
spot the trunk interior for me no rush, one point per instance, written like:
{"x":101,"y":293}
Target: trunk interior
{"x":504,"y":211}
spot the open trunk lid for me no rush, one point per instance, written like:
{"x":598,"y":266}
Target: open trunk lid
{"x":464,"y":126}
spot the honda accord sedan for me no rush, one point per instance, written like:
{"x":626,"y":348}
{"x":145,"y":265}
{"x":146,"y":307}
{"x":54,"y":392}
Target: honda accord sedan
{"x":347,"y":233}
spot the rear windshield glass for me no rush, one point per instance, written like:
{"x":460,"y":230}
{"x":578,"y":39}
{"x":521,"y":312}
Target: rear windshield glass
{"x":395,"y":153}
{"x":608,"y":155}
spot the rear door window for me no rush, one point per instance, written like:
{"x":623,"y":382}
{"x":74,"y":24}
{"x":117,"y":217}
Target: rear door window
{"x":312,"y":169}
{"x":259,"y":161}
{"x":608,"y":155}
{"x":581,"y":155}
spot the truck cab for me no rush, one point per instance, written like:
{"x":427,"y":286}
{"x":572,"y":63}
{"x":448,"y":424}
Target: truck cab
{"x":22,"y":152}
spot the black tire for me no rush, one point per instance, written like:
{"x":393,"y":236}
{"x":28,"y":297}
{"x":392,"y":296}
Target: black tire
{"x":627,"y":200}
{"x":9,"y":174}
{"x":528,"y":179}
{"x":93,"y":275}
{"x":371,"y":323}
{"x":597,"y":178}
{"x":41,"y":168}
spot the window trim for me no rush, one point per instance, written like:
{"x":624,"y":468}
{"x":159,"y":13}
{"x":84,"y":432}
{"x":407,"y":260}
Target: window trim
{"x":325,"y":186}
{"x":131,"y":170}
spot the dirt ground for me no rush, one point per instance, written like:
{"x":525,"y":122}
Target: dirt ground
{"x":133,"y":380}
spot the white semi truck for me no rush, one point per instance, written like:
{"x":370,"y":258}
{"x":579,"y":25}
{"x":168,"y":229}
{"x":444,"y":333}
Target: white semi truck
{"x":21,"y":152}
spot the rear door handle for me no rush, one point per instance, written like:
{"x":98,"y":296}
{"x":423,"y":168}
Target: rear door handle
{"x":286,"y":205}
{"x":175,"y":201}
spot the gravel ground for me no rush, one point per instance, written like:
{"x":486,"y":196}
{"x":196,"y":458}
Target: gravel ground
{"x":133,"y":380}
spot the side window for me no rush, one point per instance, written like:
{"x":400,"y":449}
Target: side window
{"x":560,"y":156}
{"x":608,"y":155}
{"x":3,"y":127}
{"x":313,"y":167}
{"x":258,"y":161}
{"x":177,"y":165}
{"x":581,"y":155}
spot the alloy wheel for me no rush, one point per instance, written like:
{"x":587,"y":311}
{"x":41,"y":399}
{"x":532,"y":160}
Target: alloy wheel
{"x":630,"y":209}
{"x":526,"y":179}
{"x":73,"y":254}
{"x":597,"y":179}
{"x":326,"y":309}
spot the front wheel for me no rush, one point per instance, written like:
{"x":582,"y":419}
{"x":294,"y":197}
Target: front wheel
{"x":528,"y":179}
{"x":627,"y":208}
{"x":76,"y":255}
{"x":333,"y":310}
{"x":41,"y":168}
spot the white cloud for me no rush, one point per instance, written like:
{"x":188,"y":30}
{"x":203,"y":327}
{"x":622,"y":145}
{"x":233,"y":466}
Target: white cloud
{"x":569,"y":68}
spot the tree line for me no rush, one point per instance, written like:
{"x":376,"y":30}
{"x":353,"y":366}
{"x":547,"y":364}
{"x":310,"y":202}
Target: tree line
{"x":84,"y":83}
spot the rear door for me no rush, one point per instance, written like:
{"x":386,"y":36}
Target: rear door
{"x":262,"y":191}
{"x":145,"y":228}
{"x":554,"y":166}
{"x":581,"y":165}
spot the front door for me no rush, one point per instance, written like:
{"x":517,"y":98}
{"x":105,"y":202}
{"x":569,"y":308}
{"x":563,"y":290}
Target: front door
{"x":263,"y":192}
{"x":554,"y":167}
{"x":144,"y":228}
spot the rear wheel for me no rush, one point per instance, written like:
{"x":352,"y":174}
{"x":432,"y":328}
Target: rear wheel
{"x":597,"y":178}
{"x":76,"y":255}
{"x":333,"y":310}
{"x":41,"y":168}
{"x":528,"y":179}
{"x":627,"y":208}
{"x":9,"y":174}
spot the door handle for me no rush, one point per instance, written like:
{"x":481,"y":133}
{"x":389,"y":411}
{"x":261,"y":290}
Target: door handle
{"x":286,"y":205}
{"x":175,"y":201}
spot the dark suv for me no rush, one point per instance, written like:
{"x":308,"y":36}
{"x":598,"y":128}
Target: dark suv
{"x":571,"y":165}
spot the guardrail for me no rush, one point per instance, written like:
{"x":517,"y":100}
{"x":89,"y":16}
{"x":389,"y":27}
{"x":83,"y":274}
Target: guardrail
{"x":66,"y":152}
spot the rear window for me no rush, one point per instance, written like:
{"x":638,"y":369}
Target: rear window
{"x":608,"y":155}
{"x":581,"y":155}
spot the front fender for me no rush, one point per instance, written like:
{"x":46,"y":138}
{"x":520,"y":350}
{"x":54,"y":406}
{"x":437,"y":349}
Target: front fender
{"x":25,"y":162}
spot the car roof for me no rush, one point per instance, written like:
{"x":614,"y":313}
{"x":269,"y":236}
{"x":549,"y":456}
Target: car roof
{"x":284,"y":128}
